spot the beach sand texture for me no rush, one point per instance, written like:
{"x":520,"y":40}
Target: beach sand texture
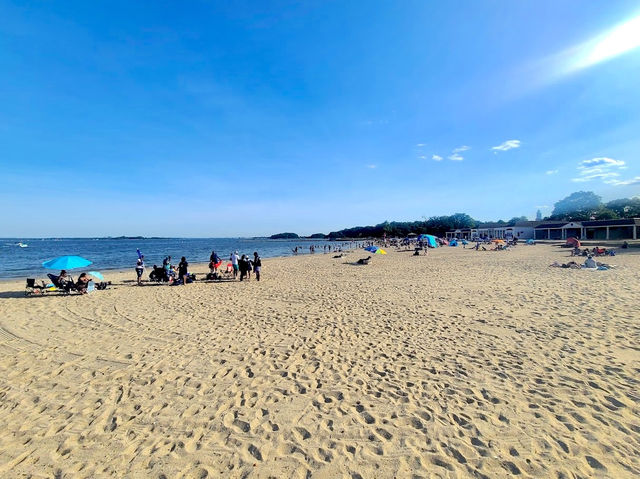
{"x":455,"y":364}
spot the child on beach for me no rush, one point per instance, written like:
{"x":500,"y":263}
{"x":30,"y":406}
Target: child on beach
{"x":140,"y":269}
{"x":257,"y":265}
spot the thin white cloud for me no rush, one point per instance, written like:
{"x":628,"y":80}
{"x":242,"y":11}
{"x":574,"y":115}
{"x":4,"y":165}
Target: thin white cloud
{"x":631,"y":181}
{"x":419,"y":145}
{"x":550,"y":172}
{"x":436,"y":158}
{"x":455,"y":157}
{"x":462,"y":148}
{"x":602,"y":168}
{"x":422,"y":157}
{"x":595,"y":176}
{"x":603,"y":162}
{"x":373,"y":167}
{"x":507,"y":145}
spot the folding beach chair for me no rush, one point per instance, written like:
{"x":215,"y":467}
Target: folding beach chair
{"x":33,"y":289}
{"x":63,"y":288}
{"x":228,"y":272}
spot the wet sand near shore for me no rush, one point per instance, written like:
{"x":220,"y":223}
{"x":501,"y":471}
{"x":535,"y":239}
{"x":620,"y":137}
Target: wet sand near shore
{"x":455,"y":364}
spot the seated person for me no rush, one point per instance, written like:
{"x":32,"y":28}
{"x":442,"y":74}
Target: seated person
{"x":64,"y":281}
{"x":590,"y":263}
{"x":83,"y":283}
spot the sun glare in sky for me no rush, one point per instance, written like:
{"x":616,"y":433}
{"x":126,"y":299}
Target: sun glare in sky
{"x":621,"y":39}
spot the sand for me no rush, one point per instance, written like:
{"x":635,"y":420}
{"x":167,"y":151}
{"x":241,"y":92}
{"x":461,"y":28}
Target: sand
{"x":455,"y":364}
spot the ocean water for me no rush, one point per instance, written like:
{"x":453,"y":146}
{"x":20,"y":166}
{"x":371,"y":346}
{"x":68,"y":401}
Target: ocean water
{"x":110,"y":254}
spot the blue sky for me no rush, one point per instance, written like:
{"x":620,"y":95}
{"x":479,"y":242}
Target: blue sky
{"x":251,"y":118}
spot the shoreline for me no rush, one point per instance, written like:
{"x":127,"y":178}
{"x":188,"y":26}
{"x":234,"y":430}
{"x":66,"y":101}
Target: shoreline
{"x":203,"y":268}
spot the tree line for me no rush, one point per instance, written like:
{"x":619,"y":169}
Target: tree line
{"x":578,"y":206}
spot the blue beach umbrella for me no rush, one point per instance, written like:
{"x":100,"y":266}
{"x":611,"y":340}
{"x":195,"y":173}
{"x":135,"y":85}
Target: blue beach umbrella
{"x":96,"y":274}
{"x":371,"y":249}
{"x":66,"y":262}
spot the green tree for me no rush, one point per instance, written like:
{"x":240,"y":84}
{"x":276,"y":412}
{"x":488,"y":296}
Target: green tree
{"x":516,"y":219}
{"x":578,"y":205}
{"x":604,"y":213}
{"x":625,"y":207}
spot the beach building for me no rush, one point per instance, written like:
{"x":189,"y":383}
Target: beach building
{"x":621,"y":229}
{"x":525,"y":230}
{"x":464,"y":233}
{"x":522,"y":230}
{"x":493,"y":231}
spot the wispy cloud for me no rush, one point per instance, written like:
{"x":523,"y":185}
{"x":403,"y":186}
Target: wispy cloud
{"x":507,"y":145}
{"x":462,"y":148}
{"x":604,"y":162}
{"x":602,"y":168}
{"x":595,"y":176}
{"x":436,"y":158}
{"x":550,"y":172}
{"x":631,"y":181}
{"x":373,"y":167}
{"x":422,"y":157}
{"x":419,"y":145}
{"x":455,"y":157}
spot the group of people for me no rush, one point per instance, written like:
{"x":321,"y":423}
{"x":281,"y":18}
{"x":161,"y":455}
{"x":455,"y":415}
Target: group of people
{"x":65,"y":282}
{"x":180,"y":274}
{"x":596,"y":251}
{"x":589,"y":263}
{"x":244,"y":265}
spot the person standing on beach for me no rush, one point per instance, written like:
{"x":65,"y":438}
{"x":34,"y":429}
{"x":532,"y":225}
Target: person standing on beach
{"x":140,"y":269}
{"x":234,"y":262}
{"x":257,"y":265}
{"x":182,"y":270}
{"x":249,"y":267}
{"x":243,"y":265}
{"x":214,"y":261}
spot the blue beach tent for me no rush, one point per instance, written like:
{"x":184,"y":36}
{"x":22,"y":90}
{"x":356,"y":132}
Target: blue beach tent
{"x":430,"y":240}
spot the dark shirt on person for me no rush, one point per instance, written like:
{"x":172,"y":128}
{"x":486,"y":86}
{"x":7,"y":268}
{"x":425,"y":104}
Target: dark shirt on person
{"x":182,"y":268}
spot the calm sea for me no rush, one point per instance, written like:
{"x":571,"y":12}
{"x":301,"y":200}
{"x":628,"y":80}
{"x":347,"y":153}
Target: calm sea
{"x":109,"y":254}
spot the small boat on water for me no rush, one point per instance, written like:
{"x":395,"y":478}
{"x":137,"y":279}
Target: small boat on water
{"x":22,"y":245}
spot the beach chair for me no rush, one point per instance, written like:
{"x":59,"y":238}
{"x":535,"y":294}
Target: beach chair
{"x":33,"y":289}
{"x":228,"y":272}
{"x":63,"y":288}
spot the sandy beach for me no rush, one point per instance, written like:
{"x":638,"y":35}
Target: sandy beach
{"x":455,"y":364}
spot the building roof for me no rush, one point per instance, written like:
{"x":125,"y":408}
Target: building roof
{"x":484,"y":226}
{"x":620,"y":222}
{"x":545,"y":226}
{"x":532,"y":224}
